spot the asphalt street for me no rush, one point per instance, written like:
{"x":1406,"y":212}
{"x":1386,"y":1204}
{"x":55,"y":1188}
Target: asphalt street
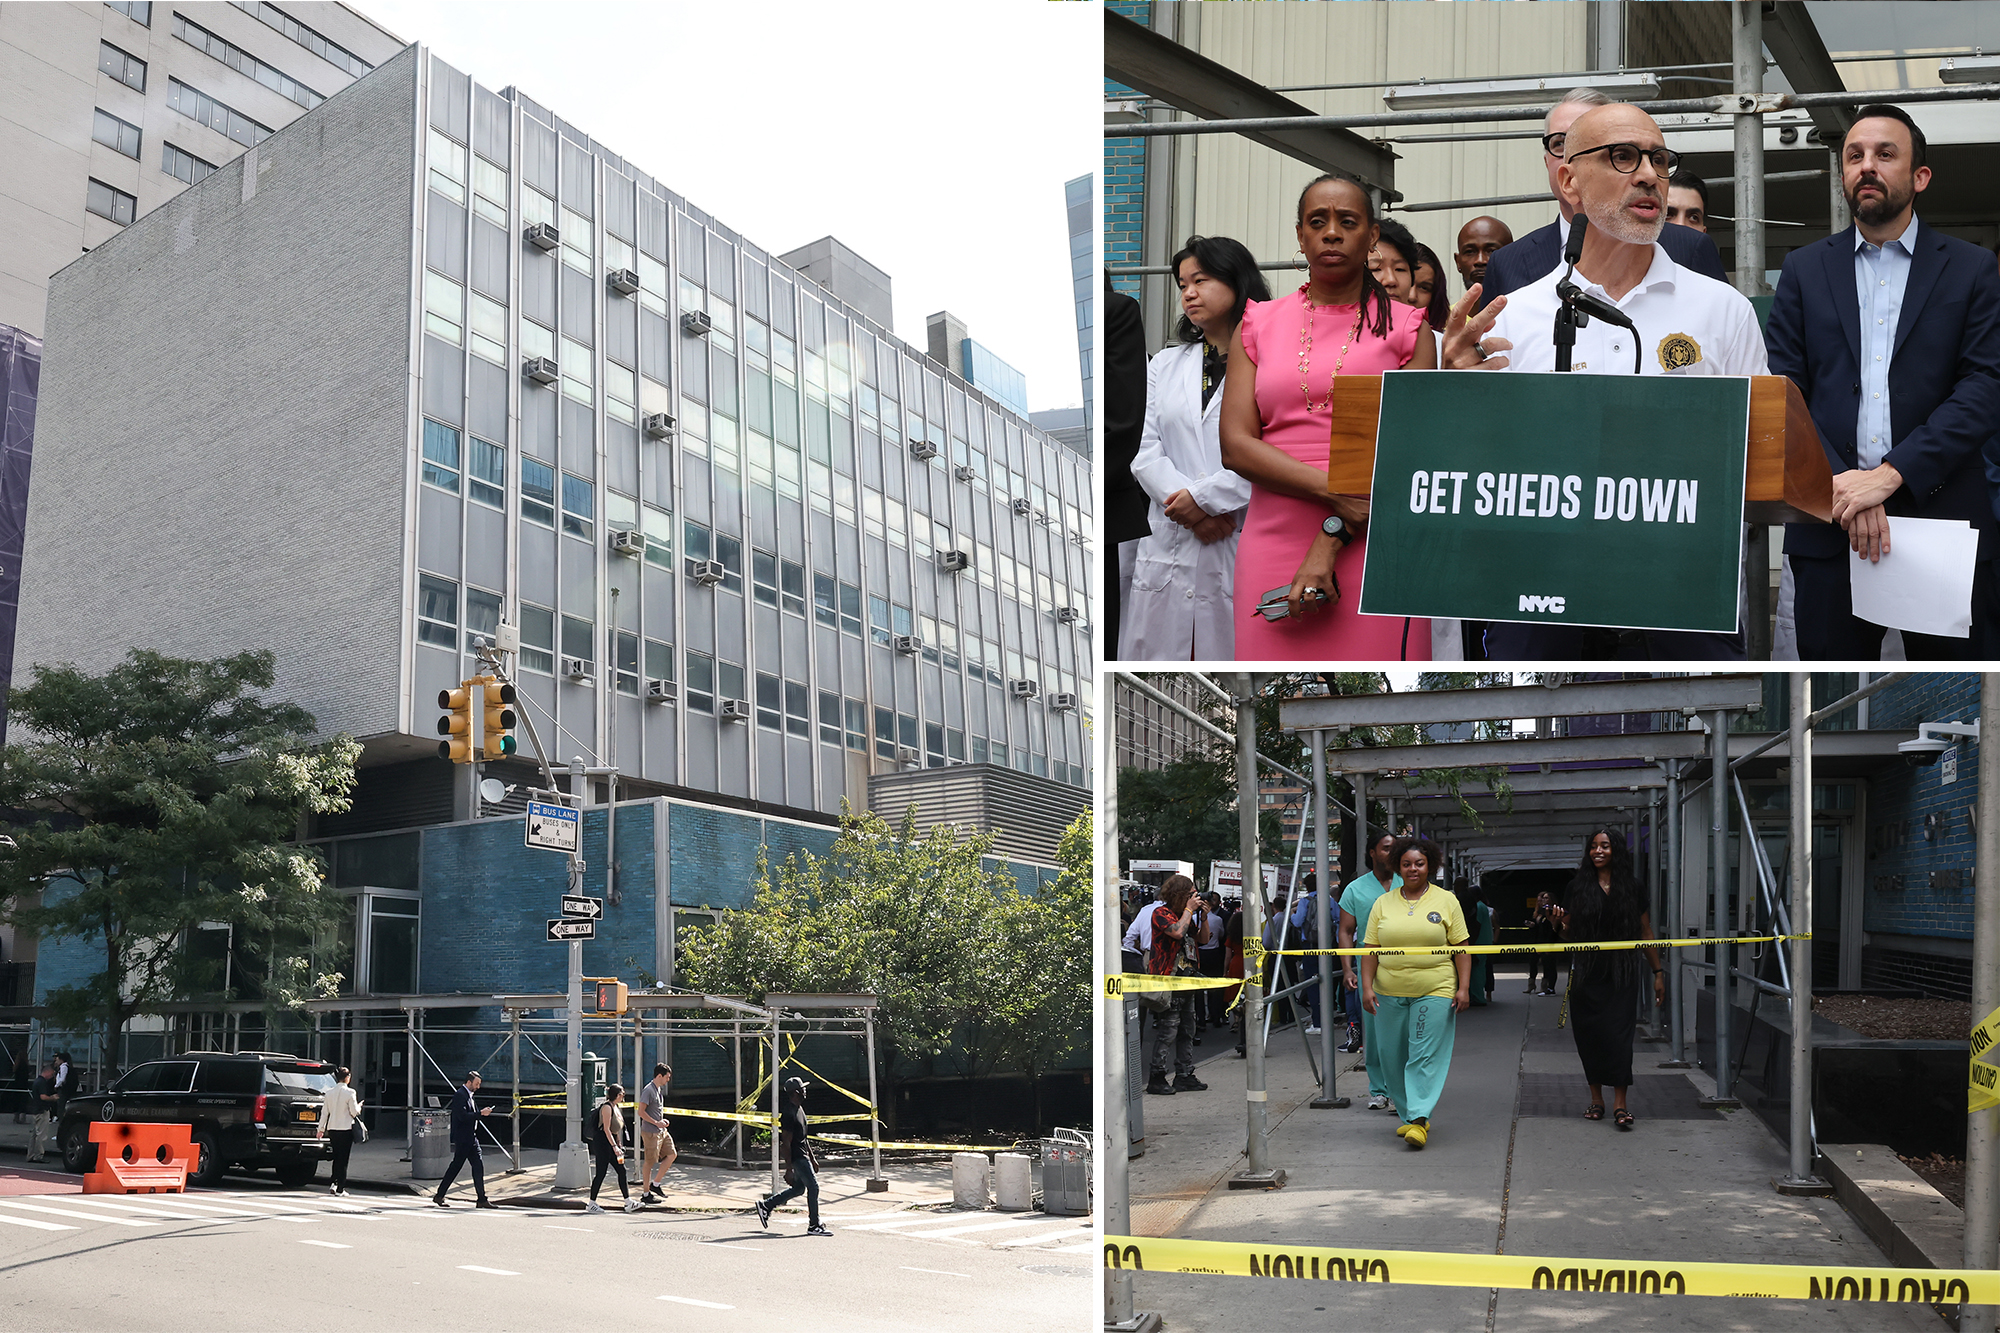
{"x":254,"y":1256}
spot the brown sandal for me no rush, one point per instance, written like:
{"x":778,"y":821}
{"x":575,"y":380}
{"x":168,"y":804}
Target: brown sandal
{"x":1596,"y":1111}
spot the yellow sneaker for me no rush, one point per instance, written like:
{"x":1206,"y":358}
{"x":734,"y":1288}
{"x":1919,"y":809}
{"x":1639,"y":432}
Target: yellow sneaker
{"x":1417,"y":1135}
{"x":1403,"y":1130}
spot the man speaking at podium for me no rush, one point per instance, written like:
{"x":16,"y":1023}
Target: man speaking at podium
{"x":1891,"y":330}
{"x":1680,"y":322}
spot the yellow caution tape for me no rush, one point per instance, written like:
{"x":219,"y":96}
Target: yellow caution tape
{"x":1125,"y":983}
{"x":1983,"y":1087}
{"x":1929,"y":1286}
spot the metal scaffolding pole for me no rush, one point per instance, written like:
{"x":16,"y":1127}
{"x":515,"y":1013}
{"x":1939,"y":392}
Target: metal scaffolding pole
{"x":1323,"y":917}
{"x":1656,"y":910}
{"x":1801,"y":1179}
{"x":1982,"y":1128}
{"x":1719,"y":922}
{"x":1118,"y":1312}
{"x":1747,"y":33}
{"x":1676,"y":978}
{"x":1258,"y":1173}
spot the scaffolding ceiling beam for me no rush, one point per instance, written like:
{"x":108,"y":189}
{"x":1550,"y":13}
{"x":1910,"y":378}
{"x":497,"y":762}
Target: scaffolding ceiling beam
{"x":1648,"y":746}
{"x":1581,"y":698}
{"x":1164,"y":69}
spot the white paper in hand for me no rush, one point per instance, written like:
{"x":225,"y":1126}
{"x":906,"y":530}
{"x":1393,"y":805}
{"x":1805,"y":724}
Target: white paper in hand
{"x":1924,"y":583}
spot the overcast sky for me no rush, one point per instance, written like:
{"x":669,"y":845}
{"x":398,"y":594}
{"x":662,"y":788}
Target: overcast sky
{"x":934,"y":139}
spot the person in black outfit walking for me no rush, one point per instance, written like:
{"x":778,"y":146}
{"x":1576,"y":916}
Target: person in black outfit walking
{"x":1542,"y":930}
{"x":795,"y":1148}
{"x":1606,"y":903}
{"x":465,"y":1115}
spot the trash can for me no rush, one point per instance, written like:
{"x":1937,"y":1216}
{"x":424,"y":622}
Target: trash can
{"x":1066,"y":1174}
{"x":430,"y":1144}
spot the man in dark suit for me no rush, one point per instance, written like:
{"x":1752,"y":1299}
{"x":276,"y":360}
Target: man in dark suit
{"x":465,"y":1114}
{"x":1892,"y":332}
{"x":1125,"y":502}
{"x":1515,"y":266}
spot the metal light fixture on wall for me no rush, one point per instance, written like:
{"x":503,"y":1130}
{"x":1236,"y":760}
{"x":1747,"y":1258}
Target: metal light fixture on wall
{"x":1969,"y":69}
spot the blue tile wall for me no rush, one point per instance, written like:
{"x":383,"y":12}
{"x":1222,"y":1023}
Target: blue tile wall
{"x":1900,"y":800}
{"x":1125,"y":176}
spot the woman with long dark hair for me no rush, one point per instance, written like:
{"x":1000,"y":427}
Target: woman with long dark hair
{"x":1605,"y":902}
{"x":1277,"y":416}
{"x":1427,"y":288}
{"x":1180,"y":606}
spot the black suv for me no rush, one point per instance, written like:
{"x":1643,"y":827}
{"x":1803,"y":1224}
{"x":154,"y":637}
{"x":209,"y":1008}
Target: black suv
{"x":249,"y":1109}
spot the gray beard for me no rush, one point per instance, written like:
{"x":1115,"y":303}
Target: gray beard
{"x":1611,"y":220}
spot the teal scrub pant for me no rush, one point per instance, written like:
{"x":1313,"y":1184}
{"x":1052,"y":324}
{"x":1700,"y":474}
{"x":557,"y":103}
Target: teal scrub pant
{"x":1371,"y":1054}
{"x":1414,"y":1036}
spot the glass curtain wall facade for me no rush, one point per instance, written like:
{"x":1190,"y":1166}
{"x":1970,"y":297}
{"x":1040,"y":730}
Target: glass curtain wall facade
{"x":753,"y":543}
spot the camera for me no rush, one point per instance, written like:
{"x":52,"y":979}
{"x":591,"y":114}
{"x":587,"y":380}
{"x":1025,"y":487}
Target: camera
{"x":1923,"y":751}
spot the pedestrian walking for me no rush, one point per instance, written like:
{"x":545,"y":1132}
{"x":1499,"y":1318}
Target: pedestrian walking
{"x":43,"y":1093}
{"x":795,"y":1149}
{"x":1357,"y":901}
{"x":1212,"y":953}
{"x":1416,"y":997}
{"x":1542,"y":930}
{"x":465,"y":1116}
{"x":339,"y":1115}
{"x":1172,"y":955}
{"x":65,"y":1082}
{"x":607,"y":1146}
{"x":656,"y":1142}
{"x":1605,"y":903}
{"x":1478,"y":920}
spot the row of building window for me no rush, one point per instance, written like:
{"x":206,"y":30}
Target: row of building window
{"x":198,"y":106}
{"x":244,"y":63}
{"x":109,"y":202}
{"x":332,"y":52}
{"x":125,"y":137}
{"x":139,"y":11}
{"x":123,"y":66}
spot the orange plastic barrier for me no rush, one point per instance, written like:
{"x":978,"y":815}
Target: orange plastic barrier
{"x":140,"y":1159}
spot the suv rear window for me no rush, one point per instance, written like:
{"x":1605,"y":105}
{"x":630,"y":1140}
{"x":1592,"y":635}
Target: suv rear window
{"x":238,"y":1077}
{"x":298,"y":1080}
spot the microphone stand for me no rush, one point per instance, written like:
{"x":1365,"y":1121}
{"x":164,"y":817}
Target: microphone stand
{"x":1568,"y":318}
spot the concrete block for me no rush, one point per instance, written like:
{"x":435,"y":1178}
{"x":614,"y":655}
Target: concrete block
{"x":1013,"y":1182}
{"x":1915,"y":1225}
{"x":968,"y":1180}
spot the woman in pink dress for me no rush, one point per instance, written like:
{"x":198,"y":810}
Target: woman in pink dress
{"x":1276,"y":425}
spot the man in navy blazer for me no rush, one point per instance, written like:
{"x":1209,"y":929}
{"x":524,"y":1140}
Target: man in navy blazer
{"x":1901,"y":371}
{"x":1515,"y":266}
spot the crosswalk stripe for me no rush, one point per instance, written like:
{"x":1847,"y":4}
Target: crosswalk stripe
{"x":1084,"y":1248}
{"x":905,"y":1220}
{"x":98,"y":1201}
{"x":70,"y":1212}
{"x":36,"y":1223}
{"x":1042,"y":1239}
{"x":987,"y":1226}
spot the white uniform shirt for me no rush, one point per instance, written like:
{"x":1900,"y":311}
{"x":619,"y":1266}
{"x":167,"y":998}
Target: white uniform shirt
{"x":1689,"y":324}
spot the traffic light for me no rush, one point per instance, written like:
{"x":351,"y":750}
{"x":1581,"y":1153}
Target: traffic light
{"x":610,"y":997}
{"x":497,"y":736}
{"x":457,"y":723}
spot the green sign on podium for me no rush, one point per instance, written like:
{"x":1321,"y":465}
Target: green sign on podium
{"x":1559,"y":499}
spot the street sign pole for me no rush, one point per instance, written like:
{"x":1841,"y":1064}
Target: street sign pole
{"x":573,"y":1159}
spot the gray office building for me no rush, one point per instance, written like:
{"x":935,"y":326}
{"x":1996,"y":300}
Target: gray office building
{"x":431,"y":359}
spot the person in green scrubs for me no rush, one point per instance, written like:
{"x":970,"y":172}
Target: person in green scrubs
{"x":1356,"y":901}
{"x":1415,"y":998}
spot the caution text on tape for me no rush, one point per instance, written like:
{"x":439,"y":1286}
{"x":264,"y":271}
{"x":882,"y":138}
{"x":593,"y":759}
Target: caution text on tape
{"x":1983,"y":1084}
{"x":1815,"y":1282}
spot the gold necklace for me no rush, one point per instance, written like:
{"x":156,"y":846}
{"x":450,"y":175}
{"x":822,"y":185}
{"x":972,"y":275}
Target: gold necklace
{"x":1306,"y":347}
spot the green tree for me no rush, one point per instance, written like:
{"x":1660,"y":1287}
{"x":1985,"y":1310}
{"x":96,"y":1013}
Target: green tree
{"x":1187,"y":812}
{"x":918,"y":921}
{"x":157,"y":796}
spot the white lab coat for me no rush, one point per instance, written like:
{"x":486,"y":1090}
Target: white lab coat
{"x":1180,"y":605}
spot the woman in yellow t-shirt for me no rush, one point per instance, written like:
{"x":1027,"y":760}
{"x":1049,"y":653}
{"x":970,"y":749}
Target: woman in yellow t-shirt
{"x":1415,"y":997}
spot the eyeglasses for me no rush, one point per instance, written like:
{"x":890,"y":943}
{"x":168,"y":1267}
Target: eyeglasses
{"x":1625,"y":157}
{"x":1552,"y":144}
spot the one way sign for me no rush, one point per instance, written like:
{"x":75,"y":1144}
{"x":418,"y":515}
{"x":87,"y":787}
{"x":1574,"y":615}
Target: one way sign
{"x":590,"y":909}
{"x":571,"y":928}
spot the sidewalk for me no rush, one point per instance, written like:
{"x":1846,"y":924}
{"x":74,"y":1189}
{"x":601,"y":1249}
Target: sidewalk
{"x":1512,"y":1167}
{"x":382,"y":1164}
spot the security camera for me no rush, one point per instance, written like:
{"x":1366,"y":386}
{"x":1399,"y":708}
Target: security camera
{"x":1933,"y":740}
{"x":1922,"y":752}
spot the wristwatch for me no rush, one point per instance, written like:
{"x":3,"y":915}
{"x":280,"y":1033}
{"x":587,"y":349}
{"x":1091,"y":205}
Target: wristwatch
{"x":1334,"y":527}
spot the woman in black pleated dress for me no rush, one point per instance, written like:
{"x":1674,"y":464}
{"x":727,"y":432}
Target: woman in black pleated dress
{"x":1605,"y":902}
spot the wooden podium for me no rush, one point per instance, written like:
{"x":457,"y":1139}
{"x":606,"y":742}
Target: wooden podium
{"x":1788,"y":479}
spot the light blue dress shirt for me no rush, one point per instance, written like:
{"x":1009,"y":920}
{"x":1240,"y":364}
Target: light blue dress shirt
{"x":1881,"y":272}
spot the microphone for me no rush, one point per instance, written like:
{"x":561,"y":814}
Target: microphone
{"x":1573,"y":248}
{"x":1598,"y":308}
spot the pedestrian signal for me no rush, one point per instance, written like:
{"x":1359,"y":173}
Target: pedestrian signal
{"x":611,"y":997}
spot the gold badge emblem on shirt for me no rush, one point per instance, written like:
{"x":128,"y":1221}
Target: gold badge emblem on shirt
{"x":1678,"y":352}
